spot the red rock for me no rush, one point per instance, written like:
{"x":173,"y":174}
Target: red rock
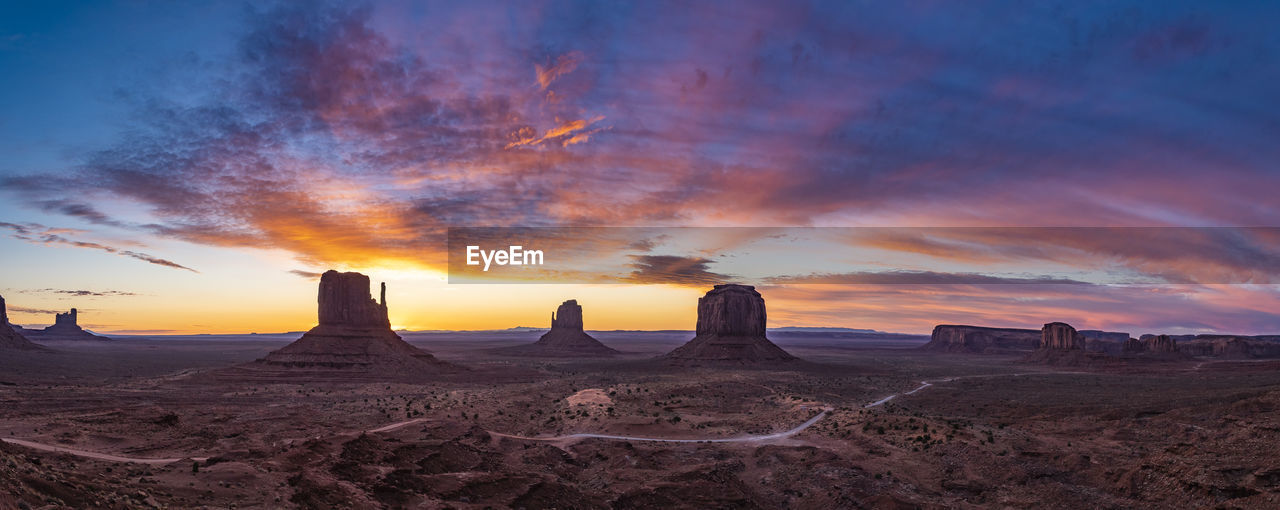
{"x":566,"y":337}
{"x":1134,"y":346}
{"x":731,"y":329}
{"x":1060,"y":336}
{"x":353,"y":333}
{"x":977,"y":339}
{"x":1161,"y":344}
{"x":344,"y":300}
{"x":567,"y":316}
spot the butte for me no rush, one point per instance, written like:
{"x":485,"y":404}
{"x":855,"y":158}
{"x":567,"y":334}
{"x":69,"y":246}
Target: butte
{"x":65,"y":327}
{"x":731,"y":331}
{"x":353,"y":336}
{"x":566,"y":339}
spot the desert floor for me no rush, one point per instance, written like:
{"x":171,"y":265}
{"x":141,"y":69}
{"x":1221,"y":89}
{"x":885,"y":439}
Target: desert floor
{"x":858,"y":424}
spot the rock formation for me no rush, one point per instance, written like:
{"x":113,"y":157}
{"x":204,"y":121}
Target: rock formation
{"x":65,"y":327}
{"x":1161,"y":347}
{"x":1134,"y":346}
{"x":1229,"y":346}
{"x":977,"y":339}
{"x":353,"y":333}
{"x":730,"y":330}
{"x":1161,"y":344}
{"x":1060,"y":336}
{"x":10,"y":339}
{"x":1061,"y":344}
{"x":566,"y":337}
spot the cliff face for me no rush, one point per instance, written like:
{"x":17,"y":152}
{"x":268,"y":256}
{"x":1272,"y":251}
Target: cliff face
{"x":1161,"y":344}
{"x":344,"y":300}
{"x":730,"y":330}
{"x":1062,"y":345}
{"x":955,"y":338}
{"x":10,"y":339}
{"x":1060,"y":336}
{"x":1134,"y":346}
{"x":731,"y":310}
{"x":1230,"y":347}
{"x":353,"y":334}
{"x":567,"y":316}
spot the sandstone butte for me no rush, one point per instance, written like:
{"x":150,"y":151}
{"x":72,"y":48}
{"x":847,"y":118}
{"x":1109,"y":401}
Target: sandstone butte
{"x":730,"y":330}
{"x":566,"y":338}
{"x":353,"y":333}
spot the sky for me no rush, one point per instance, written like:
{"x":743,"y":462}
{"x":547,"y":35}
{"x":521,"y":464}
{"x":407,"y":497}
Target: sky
{"x":188,"y":168}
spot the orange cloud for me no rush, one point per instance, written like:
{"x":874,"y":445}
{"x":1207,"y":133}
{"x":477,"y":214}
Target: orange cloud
{"x":573,"y":130}
{"x":563,"y":65}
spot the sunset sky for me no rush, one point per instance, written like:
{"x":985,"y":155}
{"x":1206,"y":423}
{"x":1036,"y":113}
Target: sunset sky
{"x":191,"y":168}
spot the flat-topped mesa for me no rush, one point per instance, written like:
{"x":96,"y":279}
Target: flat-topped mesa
{"x":567,"y":316}
{"x":978,"y":339}
{"x":1060,"y":336}
{"x":731,"y":310}
{"x":1161,"y":344}
{"x":730,"y":329}
{"x":344,"y":300}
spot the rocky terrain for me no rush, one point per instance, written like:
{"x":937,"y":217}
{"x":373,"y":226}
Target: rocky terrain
{"x":353,"y":335}
{"x":905,"y":429}
{"x":730,"y":330}
{"x":566,"y":337}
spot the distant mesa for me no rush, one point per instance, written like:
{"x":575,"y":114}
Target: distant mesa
{"x":353,"y":334}
{"x":1229,"y":346}
{"x":1061,"y":344}
{"x":1060,"y":336}
{"x":65,"y":327}
{"x":10,"y":339}
{"x":978,"y":339}
{"x":566,"y":337}
{"x":984,"y":340}
{"x":1157,"y":344}
{"x":731,"y":330}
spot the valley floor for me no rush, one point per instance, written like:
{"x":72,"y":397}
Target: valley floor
{"x":860,"y":425}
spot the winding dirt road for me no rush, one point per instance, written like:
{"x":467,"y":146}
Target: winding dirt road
{"x":569,"y":437}
{"x":96,"y":455}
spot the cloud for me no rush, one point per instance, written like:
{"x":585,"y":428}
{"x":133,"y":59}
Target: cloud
{"x":305,"y":274}
{"x":567,"y":133}
{"x":564,"y":64}
{"x":36,"y":311}
{"x":330,"y":134}
{"x":917,"y":278}
{"x":81,"y":293}
{"x":40,"y":235}
{"x":693,"y":271}
{"x":79,"y":210}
